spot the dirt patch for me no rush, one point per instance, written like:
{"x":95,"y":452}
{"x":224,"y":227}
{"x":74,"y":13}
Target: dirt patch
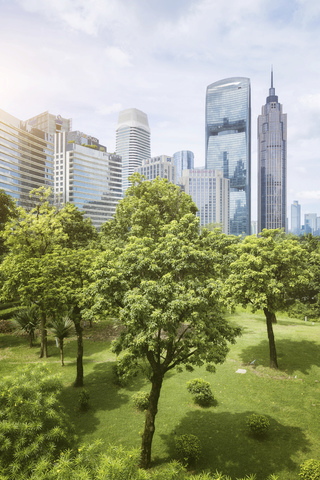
{"x":102,"y":333}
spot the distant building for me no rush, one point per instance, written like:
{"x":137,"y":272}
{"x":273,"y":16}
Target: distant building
{"x":272,"y":164}
{"x":183,"y":160}
{"x":228,"y":144}
{"x":161,"y":166}
{"x":87,"y":175}
{"x":295,"y":218}
{"x":49,"y":123}
{"x":132,"y":142}
{"x":310,"y":223}
{"x":26,"y":158}
{"x":254,"y":227}
{"x":210,"y":191}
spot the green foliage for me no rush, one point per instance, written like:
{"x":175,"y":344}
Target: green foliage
{"x":61,"y":327}
{"x":187,"y":449}
{"x":310,"y":470}
{"x":258,"y":425}
{"x":5,"y":326}
{"x":27,"y":319}
{"x":83,"y":400}
{"x":33,"y":425}
{"x":141,"y":400}
{"x":8,"y":313}
{"x":7,"y":212}
{"x":201,"y":391}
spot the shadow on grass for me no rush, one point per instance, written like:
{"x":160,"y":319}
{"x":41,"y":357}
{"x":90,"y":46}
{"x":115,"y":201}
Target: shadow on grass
{"x":104,"y":395}
{"x":292,"y":355}
{"x":228,"y":448}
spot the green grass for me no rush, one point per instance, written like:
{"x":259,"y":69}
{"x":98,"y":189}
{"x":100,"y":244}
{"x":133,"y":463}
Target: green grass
{"x":289,"y":397}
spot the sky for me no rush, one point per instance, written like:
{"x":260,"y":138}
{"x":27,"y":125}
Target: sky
{"x":89,"y":59}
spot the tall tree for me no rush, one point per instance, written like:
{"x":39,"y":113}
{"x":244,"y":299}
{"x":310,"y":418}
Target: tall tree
{"x":269,"y":273}
{"x":7,"y":212}
{"x":164,"y":282}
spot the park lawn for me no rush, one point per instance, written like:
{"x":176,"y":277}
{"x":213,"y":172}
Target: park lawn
{"x":289,"y":397}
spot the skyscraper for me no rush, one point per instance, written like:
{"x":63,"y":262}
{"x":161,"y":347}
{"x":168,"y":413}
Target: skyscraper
{"x":228,"y":144}
{"x":295,"y":218}
{"x":272,"y":164}
{"x":183,"y":160}
{"x":132,"y":141}
{"x":161,"y":166}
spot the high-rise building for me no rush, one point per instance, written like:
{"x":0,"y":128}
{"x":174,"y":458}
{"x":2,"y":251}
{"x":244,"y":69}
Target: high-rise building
{"x":228,"y":144}
{"x":295,"y":218}
{"x":183,"y":160}
{"x":310,"y":223}
{"x":49,"y":123}
{"x":161,"y":166}
{"x":87,"y":175}
{"x":272,"y":164}
{"x":132,"y":142}
{"x":26,"y":158}
{"x":210,"y":191}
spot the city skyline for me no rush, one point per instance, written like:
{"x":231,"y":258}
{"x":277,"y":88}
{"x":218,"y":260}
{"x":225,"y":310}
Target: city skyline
{"x":90,"y":60}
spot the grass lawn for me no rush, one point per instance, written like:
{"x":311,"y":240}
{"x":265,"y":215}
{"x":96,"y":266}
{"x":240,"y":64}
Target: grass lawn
{"x":289,"y":397}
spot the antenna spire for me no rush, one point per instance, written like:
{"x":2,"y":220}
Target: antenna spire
{"x":271,"y":76}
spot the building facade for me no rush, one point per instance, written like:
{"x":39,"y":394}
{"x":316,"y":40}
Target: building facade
{"x":310,"y":223}
{"x":161,"y":166}
{"x":272,"y":164}
{"x":295,"y":218}
{"x":132,"y":142}
{"x":210,"y":191}
{"x":183,"y":160}
{"x":228,"y":144}
{"x":87,"y":176}
{"x":26,"y":158}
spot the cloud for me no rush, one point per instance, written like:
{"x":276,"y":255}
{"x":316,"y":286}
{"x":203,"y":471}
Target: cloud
{"x":309,"y":195}
{"x":117,"y":56}
{"x":109,"y":109}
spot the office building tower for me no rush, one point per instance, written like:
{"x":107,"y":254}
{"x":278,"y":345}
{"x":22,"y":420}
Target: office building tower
{"x":26,"y":158}
{"x":295,"y":218}
{"x":87,"y":176}
{"x":310,"y":223}
{"x":272,"y":164}
{"x":183,"y":160}
{"x":49,"y":123}
{"x":210,"y":191}
{"x":161,"y":166}
{"x":228,"y":144}
{"x":132,"y":142}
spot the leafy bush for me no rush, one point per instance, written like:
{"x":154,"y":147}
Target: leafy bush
{"x":5,"y":326}
{"x":32,"y":423}
{"x":258,"y":425}
{"x":201,"y":391}
{"x":84,"y":400}
{"x":310,"y":470}
{"x":188,"y":449}
{"x":141,"y":400}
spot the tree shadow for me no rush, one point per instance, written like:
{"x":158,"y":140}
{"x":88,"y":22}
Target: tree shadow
{"x":229,"y":448}
{"x":292,"y":355}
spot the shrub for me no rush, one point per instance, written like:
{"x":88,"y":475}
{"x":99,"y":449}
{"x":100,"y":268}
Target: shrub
{"x":5,"y":326}
{"x":141,"y":400}
{"x":84,"y":400}
{"x":188,"y":449}
{"x":201,"y":391}
{"x":258,"y":425}
{"x":33,"y":426}
{"x":310,"y":470}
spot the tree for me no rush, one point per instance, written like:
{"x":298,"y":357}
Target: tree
{"x":7,"y":212}
{"x":27,"y":319}
{"x":269,"y":273}
{"x":61,"y":328}
{"x":164,"y":282}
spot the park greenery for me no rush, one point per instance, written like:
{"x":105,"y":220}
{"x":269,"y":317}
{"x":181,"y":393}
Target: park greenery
{"x":150,"y":308}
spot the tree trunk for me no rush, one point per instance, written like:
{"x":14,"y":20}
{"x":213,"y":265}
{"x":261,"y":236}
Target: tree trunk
{"x":79,"y":379}
{"x":44,"y":345}
{"x":274,"y":318}
{"x":272,"y":345}
{"x":149,"y":426}
{"x":30,"y":338}
{"x":61,"y":352}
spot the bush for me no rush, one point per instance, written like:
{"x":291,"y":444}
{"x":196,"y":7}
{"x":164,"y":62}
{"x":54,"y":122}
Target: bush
{"x":310,"y":470}
{"x":5,"y":326}
{"x":188,"y":449}
{"x":258,"y":425}
{"x":141,"y":400}
{"x":201,"y":391}
{"x":84,"y":400}
{"x":33,"y":426}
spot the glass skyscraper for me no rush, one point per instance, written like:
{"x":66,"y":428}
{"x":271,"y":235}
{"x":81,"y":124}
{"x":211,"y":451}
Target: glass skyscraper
{"x":132,"y":142}
{"x":272,"y":164}
{"x":295,"y":218}
{"x":183,"y":160}
{"x":228,"y":144}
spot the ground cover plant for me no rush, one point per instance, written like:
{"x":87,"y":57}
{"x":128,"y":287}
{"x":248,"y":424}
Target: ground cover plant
{"x":288,"y":397}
